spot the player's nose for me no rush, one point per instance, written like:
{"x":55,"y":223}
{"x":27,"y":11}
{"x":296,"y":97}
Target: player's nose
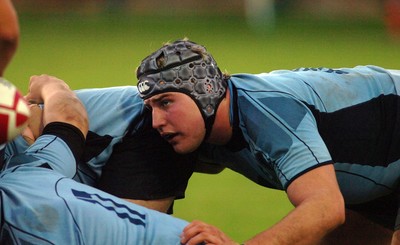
{"x":158,"y":119}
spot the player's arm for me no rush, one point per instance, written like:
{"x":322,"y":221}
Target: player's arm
{"x":319,"y":208}
{"x":64,"y":123}
{"x":62,"y":105}
{"x":9,"y":33}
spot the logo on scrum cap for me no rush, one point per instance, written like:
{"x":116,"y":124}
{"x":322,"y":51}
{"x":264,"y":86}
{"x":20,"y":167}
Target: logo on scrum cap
{"x":143,"y":86}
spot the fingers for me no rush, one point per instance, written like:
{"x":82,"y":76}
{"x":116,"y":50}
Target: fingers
{"x":199,"y":232}
{"x":38,"y":83}
{"x":34,"y":90}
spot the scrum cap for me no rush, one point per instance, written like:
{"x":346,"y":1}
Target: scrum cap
{"x":185,"y":67}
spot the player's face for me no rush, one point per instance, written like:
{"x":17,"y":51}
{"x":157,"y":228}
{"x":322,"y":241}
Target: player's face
{"x":178,"y":119}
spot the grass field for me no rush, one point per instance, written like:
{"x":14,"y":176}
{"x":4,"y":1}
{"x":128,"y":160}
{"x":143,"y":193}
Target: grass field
{"x":100,"y":51}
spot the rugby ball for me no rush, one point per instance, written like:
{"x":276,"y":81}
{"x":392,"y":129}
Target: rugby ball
{"x":14,"y":111}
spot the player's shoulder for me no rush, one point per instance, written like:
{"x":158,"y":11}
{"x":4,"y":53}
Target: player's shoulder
{"x":107,"y":89}
{"x":119,"y":91}
{"x":118,"y":107}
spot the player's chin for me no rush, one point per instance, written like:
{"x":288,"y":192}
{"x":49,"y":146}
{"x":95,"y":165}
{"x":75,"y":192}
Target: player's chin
{"x":184,"y":147}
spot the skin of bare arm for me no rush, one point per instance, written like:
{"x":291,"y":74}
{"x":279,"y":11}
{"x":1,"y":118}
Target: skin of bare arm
{"x":319,"y":208}
{"x":161,"y":205}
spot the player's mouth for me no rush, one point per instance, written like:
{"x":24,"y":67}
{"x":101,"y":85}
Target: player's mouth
{"x":169,"y":136}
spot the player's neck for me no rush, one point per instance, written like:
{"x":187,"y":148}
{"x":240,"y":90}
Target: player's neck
{"x":221,"y":131}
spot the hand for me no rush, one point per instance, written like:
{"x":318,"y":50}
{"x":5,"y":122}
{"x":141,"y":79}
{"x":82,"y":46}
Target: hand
{"x":35,"y":124}
{"x":199,"y":232}
{"x":41,"y":85}
{"x":61,"y":103}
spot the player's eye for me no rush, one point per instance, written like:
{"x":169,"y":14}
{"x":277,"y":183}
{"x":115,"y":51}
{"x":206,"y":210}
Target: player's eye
{"x":165,"y":102}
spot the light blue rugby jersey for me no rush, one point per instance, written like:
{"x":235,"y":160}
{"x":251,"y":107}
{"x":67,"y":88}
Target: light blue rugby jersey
{"x":111,"y":111}
{"x":40,"y":205}
{"x":294,"y":121}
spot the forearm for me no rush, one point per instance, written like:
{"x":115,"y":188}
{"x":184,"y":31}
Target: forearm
{"x":319,"y":209}
{"x":64,"y":106}
{"x":306,"y":224}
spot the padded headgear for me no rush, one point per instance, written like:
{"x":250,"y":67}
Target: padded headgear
{"x":185,"y":67}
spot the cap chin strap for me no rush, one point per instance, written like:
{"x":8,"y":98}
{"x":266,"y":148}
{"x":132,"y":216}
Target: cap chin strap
{"x":209,"y":122}
{"x":209,"y":119}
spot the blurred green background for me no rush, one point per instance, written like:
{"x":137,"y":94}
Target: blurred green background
{"x":99,"y":50}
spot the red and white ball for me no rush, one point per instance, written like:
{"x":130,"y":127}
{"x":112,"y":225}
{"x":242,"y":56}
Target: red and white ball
{"x":14,"y":111}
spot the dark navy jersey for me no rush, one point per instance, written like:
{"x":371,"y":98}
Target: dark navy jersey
{"x":291,"y":122}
